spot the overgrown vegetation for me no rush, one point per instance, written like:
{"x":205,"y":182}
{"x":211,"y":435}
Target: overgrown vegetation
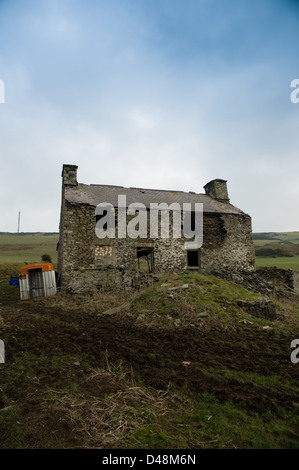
{"x":46,"y":258}
{"x":176,"y":366}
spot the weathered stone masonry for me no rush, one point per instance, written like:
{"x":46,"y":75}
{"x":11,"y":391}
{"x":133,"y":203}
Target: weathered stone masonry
{"x":87,"y":263}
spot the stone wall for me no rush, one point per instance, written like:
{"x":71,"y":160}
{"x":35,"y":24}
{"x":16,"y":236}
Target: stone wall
{"x":271,"y":282}
{"x":85,"y":260}
{"x":227,"y":243}
{"x":91,"y":281}
{"x":217,"y":189}
{"x":296,"y":282}
{"x":277,"y":276}
{"x":76,"y":248}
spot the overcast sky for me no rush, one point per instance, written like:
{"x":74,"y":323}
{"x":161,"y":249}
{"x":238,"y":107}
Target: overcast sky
{"x":165,"y":94}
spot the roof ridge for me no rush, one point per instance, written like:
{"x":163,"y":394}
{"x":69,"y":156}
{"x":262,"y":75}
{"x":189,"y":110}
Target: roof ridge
{"x":144,"y":189}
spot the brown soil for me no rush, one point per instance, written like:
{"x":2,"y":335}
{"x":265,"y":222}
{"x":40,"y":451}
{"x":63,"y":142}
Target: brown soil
{"x":155,"y":356}
{"x":16,"y":247}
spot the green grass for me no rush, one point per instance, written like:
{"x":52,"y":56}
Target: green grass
{"x":8,"y":292}
{"x":183,"y":419}
{"x":279,"y":240}
{"x":208,"y":295}
{"x":261,"y":239}
{"x":280,"y":262}
{"x":27,"y":248}
{"x":201,"y":421}
{"x":189,"y":420}
{"x":252,"y":378}
{"x":225,"y":425}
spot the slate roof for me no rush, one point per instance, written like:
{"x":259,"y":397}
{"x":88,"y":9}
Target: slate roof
{"x":96,"y":193}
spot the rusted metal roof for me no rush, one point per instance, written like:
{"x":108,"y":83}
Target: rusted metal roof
{"x":95,"y":194}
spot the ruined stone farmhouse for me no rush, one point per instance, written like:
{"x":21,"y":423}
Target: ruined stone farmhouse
{"x":89,"y":263}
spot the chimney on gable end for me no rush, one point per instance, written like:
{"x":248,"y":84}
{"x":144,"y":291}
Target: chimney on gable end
{"x":69,"y":175}
{"x":217,"y":189}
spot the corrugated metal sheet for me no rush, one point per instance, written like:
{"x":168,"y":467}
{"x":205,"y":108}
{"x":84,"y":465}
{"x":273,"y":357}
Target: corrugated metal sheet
{"x":24,"y":287}
{"x":95,"y":194}
{"x":49,"y":282}
{"x":37,"y":284}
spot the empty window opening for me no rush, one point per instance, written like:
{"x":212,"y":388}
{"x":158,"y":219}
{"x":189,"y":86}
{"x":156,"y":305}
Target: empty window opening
{"x":145,"y":259}
{"x":193,"y":258}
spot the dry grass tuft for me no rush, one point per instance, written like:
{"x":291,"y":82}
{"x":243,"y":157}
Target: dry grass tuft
{"x":101,"y":422}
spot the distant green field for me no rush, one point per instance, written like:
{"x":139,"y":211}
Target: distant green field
{"x":261,"y":239}
{"x":28,"y":248}
{"x":280,"y":262}
{"x":278,"y":243}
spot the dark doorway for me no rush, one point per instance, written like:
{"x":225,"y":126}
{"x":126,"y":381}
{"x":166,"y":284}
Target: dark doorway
{"x":36,"y":283}
{"x":145,"y":259}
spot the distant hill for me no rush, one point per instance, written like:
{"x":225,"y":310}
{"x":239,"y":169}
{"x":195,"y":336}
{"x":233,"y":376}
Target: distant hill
{"x":282,"y":237}
{"x":279,"y":249}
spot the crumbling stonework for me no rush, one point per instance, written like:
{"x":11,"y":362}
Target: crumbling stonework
{"x":278,"y":276}
{"x":86,"y":262}
{"x":260,"y":308}
{"x":296,"y":282}
{"x":227,"y":243}
{"x":271,"y":282}
{"x":217,"y":189}
{"x":91,"y":281}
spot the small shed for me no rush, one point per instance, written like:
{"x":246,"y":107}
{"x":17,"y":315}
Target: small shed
{"x":37,"y":280}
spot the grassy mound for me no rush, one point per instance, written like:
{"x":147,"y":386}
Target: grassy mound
{"x":181,"y":365}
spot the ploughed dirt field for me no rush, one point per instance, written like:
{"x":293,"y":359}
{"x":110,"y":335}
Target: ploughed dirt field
{"x":83,"y":373}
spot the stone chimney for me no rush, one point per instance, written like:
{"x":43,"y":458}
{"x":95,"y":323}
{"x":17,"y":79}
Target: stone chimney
{"x":217,"y":189}
{"x":69,"y":175}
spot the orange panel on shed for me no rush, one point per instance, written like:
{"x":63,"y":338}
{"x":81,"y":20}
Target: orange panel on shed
{"x":42,"y":266}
